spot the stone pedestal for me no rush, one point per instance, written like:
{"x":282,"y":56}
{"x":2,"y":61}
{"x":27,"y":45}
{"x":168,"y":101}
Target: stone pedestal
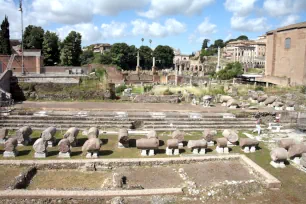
{"x":92,"y":155}
{"x":270,"y":105}
{"x":176,"y":152}
{"x":202,"y":151}
{"x":254,"y":101}
{"x":211,"y":144}
{"x":181,"y":145}
{"x":51,"y":143}
{"x":223,"y":104}
{"x":279,"y":108}
{"x":151,"y":152}
{"x":277,"y":165}
{"x":261,"y":103}
{"x":246,"y":149}
{"x":222,"y":150}
{"x":195,"y":151}
{"x":143,"y":152}
{"x":253,"y":149}
{"x":40,"y":155}
{"x":64,"y":155}
{"x":233,"y":107}
{"x":169,"y":152}
{"x":290,"y":108}
{"x":7,"y":154}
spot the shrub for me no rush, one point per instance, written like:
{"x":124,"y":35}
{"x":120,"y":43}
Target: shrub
{"x":231,"y":70}
{"x":167,"y":92}
{"x":303,"y":89}
{"x":120,"y":89}
{"x":148,"y":88}
{"x":259,"y":88}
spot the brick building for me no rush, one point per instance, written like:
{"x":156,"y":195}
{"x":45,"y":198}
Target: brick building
{"x":286,"y":55}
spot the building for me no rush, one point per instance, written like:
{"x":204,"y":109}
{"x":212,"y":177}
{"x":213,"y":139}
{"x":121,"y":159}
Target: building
{"x":250,"y":53}
{"x":286,"y":55}
{"x":102,"y":48}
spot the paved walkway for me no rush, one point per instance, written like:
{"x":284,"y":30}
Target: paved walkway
{"x":108,"y":106}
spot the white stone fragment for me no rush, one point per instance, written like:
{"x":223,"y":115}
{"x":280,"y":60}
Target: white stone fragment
{"x":202,"y":151}
{"x":151,"y":152}
{"x":246,"y":149}
{"x":253,"y":149}
{"x":144,"y":152}
{"x":176,"y":152}
{"x":64,"y":155}
{"x":195,"y":151}
{"x":40,"y":155}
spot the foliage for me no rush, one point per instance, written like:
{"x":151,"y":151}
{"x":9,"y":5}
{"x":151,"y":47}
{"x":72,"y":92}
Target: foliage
{"x":71,"y":49}
{"x":164,"y":55}
{"x":218,"y":43}
{"x":33,"y":37}
{"x":121,"y":88}
{"x":5,"y":45}
{"x":87,"y":57}
{"x":205,"y":44}
{"x":145,"y":53}
{"x":259,"y":88}
{"x":231,"y":70}
{"x":51,"y":50}
{"x":303,"y":89}
{"x":101,"y":73}
{"x":120,"y":54}
{"x":208,"y":52}
{"x":148,"y":88}
{"x":105,"y":58}
{"x":242,"y":37}
{"x":168,"y":92}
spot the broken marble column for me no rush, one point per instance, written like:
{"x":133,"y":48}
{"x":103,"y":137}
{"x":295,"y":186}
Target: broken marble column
{"x":71,"y":135}
{"x":64,"y":148}
{"x":10,"y":147}
{"x":91,"y":147}
{"x":270,"y":100}
{"x":208,"y":136}
{"x":303,"y":160}
{"x":286,"y":143}
{"x":48,"y":135}
{"x":152,"y":134}
{"x":197,"y":146}
{"x":261,"y":99}
{"x":232,"y":103}
{"x":117,"y":181}
{"x":23,"y":135}
{"x":207,"y":100}
{"x":222,"y":145}
{"x":3,"y":135}
{"x":231,"y":136}
{"x":172,"y":147}
{"x":295,"y":152}
{"x":278,"y":156}
{"x":248,"y":145}
{"x":40,"y":148}
{"x":123,"y":138}
{"x":179,"y":135}
{"x":147,"y":146}
{"x":93,"y":132}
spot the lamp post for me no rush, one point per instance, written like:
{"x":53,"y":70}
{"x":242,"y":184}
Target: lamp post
{"x":22,"y":61}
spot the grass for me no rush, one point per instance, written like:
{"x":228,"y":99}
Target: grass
{"x":7,"y":175}
{"x":256,"y":70}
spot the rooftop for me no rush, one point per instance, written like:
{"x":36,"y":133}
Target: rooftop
{"x":289,"y":27}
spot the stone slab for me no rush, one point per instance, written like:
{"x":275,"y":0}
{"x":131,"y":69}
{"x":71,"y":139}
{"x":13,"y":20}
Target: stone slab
{"x":40,"y":155}
{"x":64,"y":155}
{"x":7,"y":154}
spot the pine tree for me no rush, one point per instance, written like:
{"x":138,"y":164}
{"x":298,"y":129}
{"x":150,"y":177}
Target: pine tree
{"x":5,"y":45}
{"x":71,"y":49}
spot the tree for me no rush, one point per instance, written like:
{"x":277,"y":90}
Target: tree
{"x":71,"y":49}
{"x":205,"y":44}
{"x":50,"y":49}
{"x":218,"y":43}
{"x":164,"y":55}
{"x":33,"y":37}
{"x":106,"y":58}
{"x":242,"y":37}
{"x":120,"y":55}
{"x":145,"y":53}
{"x":231,"y":70}
{"x":5,"y":45}
{"x":87,"y":57}
{"x":132,"y":57}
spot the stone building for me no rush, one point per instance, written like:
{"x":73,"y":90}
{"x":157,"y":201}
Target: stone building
{"x":102,"y":48}
{"x":250,"y":53}
{"x":286,"y":55}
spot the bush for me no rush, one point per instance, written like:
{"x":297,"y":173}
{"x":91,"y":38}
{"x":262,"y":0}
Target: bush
{"x":120,"y":89}
{"x":231,"y":71}
{"x":167,"y":92}
{"x":148,"y":88}
{"x":259,"y":88}
{"x":303,"y":89}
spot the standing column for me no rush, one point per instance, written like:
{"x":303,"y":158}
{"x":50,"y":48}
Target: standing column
{"x":176,"y":77}
{"x":180,"y":70}
{"x":138,"y":63}
{"x":234,"y":54}
{"x":218,"y":65}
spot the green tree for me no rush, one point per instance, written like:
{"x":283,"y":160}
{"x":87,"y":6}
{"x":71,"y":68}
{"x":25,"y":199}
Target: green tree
{"x":5,"y":45}
{"x":205,"y":44}
{"x":242,"y":37}
{"x":51,"y":49}
{"x":164,"y":55}
{"x":218,"y":43}
{"x":230,"y":71}
{"x":106,"y":58}
{"x":87,"y":57}
{"x":132,"y":57}
{"x":71,"y":49}
{"x":119,"y":54}
{"x":145,"y":53}
{"x":33,"y":37}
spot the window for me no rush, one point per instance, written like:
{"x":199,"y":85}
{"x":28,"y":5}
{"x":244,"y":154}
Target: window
{"x":287,"y":43}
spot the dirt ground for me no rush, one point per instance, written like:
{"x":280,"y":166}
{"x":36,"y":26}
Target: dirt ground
{"x":7,"y":175}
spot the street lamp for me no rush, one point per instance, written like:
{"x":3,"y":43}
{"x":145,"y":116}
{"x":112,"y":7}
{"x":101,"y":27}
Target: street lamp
{"x":22,"y":61}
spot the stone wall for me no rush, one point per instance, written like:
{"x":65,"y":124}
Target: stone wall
{"x":50,"y":79}
{"x":32,"y":64}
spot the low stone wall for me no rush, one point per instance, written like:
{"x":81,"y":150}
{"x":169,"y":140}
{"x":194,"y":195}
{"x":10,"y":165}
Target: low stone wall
{"x":49,"y":79}
{"x":156,"y":99}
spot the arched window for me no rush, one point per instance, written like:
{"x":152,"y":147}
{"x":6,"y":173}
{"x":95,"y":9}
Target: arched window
{"x":287,"y":43}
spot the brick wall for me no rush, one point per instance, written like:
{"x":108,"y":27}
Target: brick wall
{"x":31,"y":64}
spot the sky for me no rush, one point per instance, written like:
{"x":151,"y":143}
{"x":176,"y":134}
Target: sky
{"x":181,"y":24}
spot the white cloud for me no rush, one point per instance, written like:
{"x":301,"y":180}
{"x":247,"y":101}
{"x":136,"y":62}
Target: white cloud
{"x":160,"y":8}
{"x":240,"y":7}
{"x":206,"y":28}
{"x":114,"y":30}
{"x":284,"y":7}
{"x":249,"y":25}
{"x":291,"y":19}
{"x":154,"y":29}
{"x":77,"y":11}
